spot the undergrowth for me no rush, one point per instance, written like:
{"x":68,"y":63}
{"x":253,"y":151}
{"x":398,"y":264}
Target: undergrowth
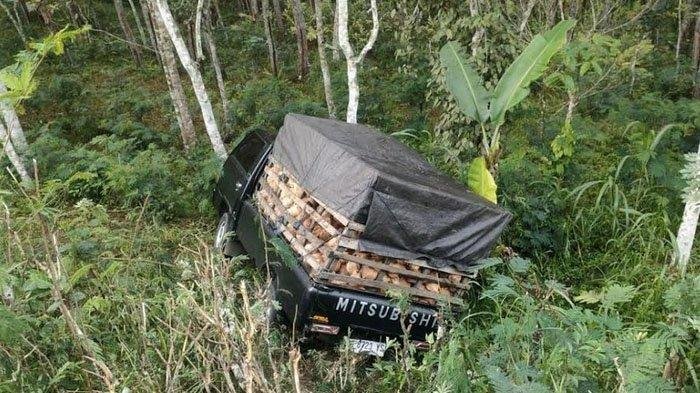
{"x":108,"y":279}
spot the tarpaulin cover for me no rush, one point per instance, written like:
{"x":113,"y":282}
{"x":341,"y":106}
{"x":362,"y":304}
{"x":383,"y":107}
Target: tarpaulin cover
{"x":410,"y":209}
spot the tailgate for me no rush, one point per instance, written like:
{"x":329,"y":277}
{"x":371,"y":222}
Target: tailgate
{"x":367,"y":314}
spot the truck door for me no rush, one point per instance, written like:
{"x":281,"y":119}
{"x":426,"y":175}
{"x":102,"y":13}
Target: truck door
{"x":238,"y":168}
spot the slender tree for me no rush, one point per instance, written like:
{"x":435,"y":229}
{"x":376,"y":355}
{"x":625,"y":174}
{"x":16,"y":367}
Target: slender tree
{"x":278,"y":14}
{"x":13,"y":126}
{"x":302,"y":45}
{"x":128,"y":33}
{"x":271,"y":49}
{"x":166,"y":17}
{"x":335,"y":44}
{"x":16,"y":22}
{"x":12,"y":138}
{"x":696,"y":56}
{"x":172,"y":76}
{"x":480,"y":32}
{"x":689,"y":222}
{"x":353,"y":60}
{"x":254,"y":8}
{"x":526,"y":16}
{"x":218,"y":71}
{"x":148,"y":20}
{"x":217,"y":11}
{"x":139,"y":26}
{"x":199,"y":53}
{"x":322,"y":59}
{"x":13,"y":155}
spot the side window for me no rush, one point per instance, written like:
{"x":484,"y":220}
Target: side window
{"x":247,"y":152}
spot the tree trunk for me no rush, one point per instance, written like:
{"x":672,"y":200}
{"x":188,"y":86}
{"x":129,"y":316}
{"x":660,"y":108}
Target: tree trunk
{"x":322,"y":60}
{"x":190,"y":37}
{"x":526,"y":16}
{"x":254,"y":9}
{"x":15,"y":158}
{"x":696,"y":56}
{"x":172,"y":76}
{"x":217,"y":11}
{"x":23,"y":11}
{"x":213,"y":54}
{"x":139,"y":26}
{"x":148,"y":19}
{"x":14,"y":127}
{"x":480,"y":32}
{"x":16,"y":23}
{"x":352,"y":60}
{"x":302,"y":45}
{"x":128,"y":34}
{"x":200,"y":91}
{"x":278,"y":14}
{"x":199,"y":54}
{"x":689,"y":224}
{"x":335,"y":45}
{"x":271,"y":50}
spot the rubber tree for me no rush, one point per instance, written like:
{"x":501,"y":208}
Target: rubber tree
{"x":278,"y":14}
{"x":13,"y":126}
{"x":139,"y":25}
{"x":271,"y":49}
{"x":134,"y":47}
{"x":200,"y":91}
{"x":302,"y":45}
{"x":689,"y":222}
{"x":172,"y":76}
{"x":216,"y":63}
{"x":199,"y":54}
{"x":148,"y":19}
{"x":322,"y":59}
{"x":16,"y":22}
{"x":353,"y":60}
{"x":10,"y":150}
{"x":696,"y":56}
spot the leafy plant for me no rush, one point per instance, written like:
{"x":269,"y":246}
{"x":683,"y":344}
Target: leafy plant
{"x":19,"y":76}
{"x":489,"y":108}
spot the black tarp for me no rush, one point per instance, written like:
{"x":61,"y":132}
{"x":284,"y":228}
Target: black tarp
{"x":410,"y":209}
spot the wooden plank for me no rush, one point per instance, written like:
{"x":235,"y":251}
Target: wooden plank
{"x":308,"y":210}
{"x":309,"y":260}
{"x":446,"y":269}
{"x":386,"y":287}
{"x":341,"y":219}
{"x":403,"y":272}
{"x":348,"y":243}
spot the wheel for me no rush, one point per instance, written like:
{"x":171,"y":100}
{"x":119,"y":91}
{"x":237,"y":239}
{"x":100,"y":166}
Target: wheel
{"x":221,"y":230}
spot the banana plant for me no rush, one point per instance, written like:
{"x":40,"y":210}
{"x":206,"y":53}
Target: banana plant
{"x":489,"y":108}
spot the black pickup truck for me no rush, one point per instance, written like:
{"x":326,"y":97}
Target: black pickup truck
{"x":316,"y":307}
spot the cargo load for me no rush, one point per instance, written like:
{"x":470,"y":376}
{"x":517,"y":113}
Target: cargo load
{"x":365,"y":212}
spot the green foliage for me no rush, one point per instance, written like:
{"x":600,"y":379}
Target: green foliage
{"x":19,"y":77}
{"x":464,"y":83}
{"x":480,"y":180}
{"x":514,"y":84}
{"x":588,"y":305}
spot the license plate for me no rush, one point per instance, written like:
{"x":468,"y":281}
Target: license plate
{"x":373,"y":348}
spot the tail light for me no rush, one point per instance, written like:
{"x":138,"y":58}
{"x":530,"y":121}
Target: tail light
{"x":324,"y":329}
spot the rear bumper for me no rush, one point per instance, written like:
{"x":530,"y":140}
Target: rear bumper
{"x":306,"y":302}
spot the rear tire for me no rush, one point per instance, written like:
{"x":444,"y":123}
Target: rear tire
{"x":223,"y":241}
